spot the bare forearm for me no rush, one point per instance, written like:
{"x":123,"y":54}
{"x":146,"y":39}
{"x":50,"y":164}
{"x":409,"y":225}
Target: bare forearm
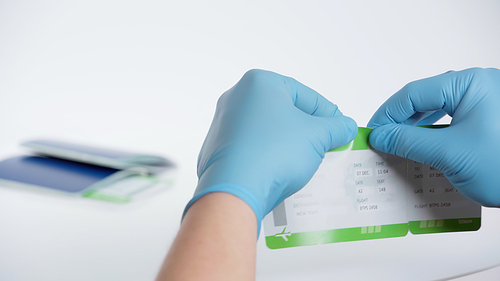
{"x":216,"y":242}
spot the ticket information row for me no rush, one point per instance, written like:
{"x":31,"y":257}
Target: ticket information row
{"x":358,"y":193}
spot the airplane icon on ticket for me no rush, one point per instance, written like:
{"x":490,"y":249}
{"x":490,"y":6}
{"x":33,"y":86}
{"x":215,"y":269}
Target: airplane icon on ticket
{"x":283,"y":234}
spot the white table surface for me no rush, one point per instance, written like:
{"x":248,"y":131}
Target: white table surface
{"x":145,"y":76}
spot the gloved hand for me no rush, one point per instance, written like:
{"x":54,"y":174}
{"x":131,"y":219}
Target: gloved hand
{"x":267,"y":139}
{"x":467,"y":151}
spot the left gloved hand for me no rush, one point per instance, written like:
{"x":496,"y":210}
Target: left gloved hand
{"x":467,"y":151}
{"x":267,"y":139}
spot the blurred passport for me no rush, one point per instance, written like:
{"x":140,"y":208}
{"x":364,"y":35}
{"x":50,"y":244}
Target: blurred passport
{"x":98,"y":173}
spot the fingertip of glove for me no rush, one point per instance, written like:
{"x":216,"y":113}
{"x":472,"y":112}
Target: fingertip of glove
{"x":352,"y":127}
{"x":378,"y":137}
{"x":344,"y":131}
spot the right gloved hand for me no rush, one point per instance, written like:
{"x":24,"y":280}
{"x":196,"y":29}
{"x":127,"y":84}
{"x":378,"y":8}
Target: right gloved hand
{"x":468,"y":151}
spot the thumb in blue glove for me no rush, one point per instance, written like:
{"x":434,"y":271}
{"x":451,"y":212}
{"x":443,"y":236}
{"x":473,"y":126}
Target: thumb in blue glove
{"x":268,"y":137}
{"x":467,"y":151}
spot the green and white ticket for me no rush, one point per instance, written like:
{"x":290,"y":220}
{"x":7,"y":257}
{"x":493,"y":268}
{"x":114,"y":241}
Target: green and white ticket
{"x":359,"y":193}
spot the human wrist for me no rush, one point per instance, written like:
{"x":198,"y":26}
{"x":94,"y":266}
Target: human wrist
{"x":236,"y":190}
{"x":216,"y":241}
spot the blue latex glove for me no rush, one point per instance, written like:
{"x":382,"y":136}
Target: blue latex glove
{"x":468,"y":151}
{"x":267,"y":139}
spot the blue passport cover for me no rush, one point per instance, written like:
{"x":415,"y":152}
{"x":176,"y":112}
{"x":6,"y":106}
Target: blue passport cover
{"x":53,"y":173}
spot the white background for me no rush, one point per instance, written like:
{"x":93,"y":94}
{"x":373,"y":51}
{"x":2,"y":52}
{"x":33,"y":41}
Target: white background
{"x":145,"y":76}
